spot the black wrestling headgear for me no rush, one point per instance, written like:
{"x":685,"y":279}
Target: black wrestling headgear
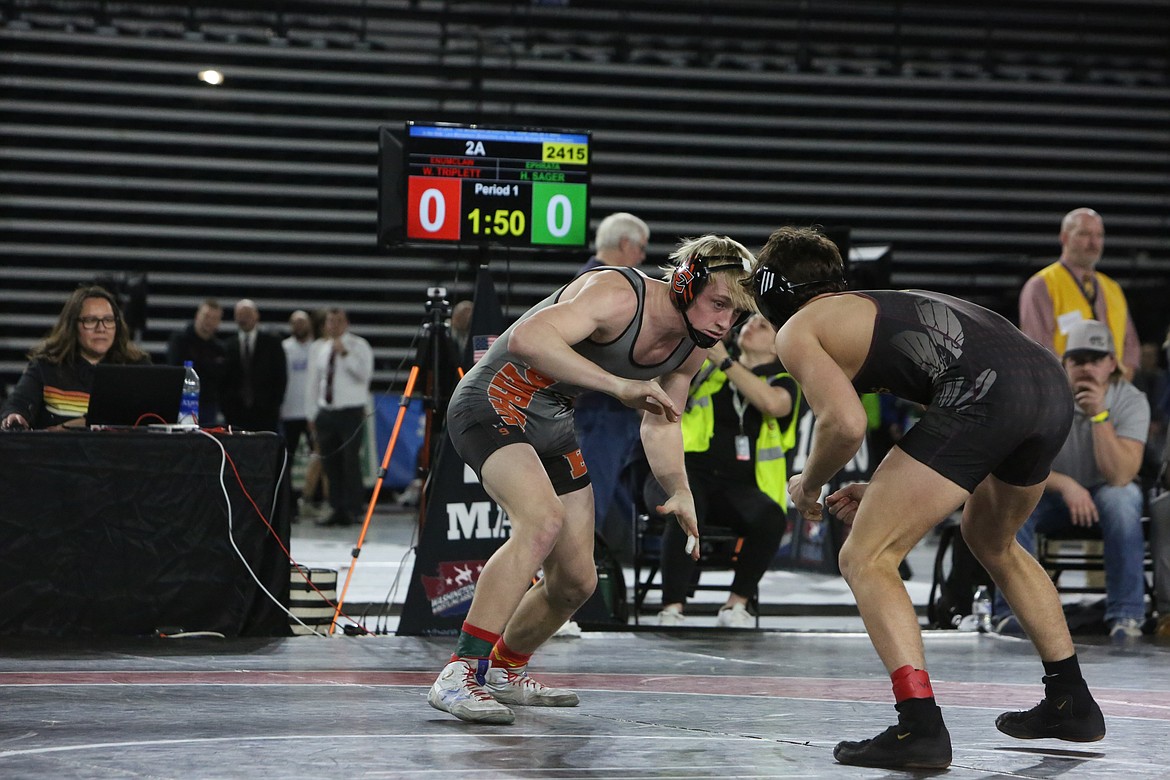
{"x":689,"y":279}
{"x":776,"y":296}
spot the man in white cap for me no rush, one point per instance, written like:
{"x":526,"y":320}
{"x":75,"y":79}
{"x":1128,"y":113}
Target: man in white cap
{"x":1093,"y":477}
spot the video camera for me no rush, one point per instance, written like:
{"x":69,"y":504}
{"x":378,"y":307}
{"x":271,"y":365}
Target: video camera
{"x":437,"y":301}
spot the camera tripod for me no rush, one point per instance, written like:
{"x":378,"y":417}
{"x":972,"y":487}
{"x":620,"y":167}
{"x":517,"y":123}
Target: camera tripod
{"x":435,"y":370}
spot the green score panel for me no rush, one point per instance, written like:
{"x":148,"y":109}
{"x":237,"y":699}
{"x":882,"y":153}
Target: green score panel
{"x":537,"y":213}
{"x":558,"y":212}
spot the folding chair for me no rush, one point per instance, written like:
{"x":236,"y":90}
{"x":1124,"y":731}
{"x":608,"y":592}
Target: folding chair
{"x":718,"y":550}
{"x":1081,"y":549}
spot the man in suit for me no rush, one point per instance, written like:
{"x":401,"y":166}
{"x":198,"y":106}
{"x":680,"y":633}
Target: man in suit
{"x":255,"y":374}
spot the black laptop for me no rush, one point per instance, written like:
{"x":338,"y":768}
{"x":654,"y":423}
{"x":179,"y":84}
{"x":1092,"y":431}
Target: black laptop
{"x":135,"y":394}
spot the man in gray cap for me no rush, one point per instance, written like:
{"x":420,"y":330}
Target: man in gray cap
{"x":1093,"y":478}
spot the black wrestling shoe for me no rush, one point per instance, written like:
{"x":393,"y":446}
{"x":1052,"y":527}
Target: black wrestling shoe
{"x":898,"y":748}
{"x":1055,"y":718}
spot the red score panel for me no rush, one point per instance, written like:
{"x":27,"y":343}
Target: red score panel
{"x":433,"y":208}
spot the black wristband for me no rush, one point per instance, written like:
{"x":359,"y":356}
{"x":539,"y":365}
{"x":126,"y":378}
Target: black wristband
{"x":726,"y":364}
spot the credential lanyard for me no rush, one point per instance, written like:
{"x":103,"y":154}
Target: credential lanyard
{"x":743,"y":450}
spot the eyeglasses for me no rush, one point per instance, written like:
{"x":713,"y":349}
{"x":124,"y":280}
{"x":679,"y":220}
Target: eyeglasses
{"x":91,"y":323}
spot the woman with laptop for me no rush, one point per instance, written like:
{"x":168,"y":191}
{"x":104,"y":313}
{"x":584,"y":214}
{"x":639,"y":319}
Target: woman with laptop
{"x":53,"y":391}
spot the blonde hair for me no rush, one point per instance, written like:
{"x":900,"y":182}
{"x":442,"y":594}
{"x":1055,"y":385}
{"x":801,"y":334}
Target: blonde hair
{"x":723,"y":251}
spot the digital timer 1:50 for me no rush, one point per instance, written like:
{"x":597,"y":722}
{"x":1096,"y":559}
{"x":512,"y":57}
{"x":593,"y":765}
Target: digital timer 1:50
{"x":501,"y":223}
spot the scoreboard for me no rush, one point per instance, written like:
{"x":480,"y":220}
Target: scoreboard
{"x":477,"y":185}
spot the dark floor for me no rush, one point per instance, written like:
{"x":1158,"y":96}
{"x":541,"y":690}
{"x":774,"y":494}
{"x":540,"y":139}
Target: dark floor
{"x":694,"y":703}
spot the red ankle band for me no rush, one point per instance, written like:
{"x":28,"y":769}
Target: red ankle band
{"x":480,"y":633}
{"x":502,"y":655}
{"x":911,"y":683}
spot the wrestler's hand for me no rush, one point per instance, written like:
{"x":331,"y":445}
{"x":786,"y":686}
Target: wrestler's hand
{"x":844,"y":502}
{"x":682,"y":506}
{"x":806,"y":502}
{"x":1081,"y":509}
{"x":647,"y":396}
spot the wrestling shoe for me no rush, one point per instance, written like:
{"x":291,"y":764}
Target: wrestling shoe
{"x":1055,"y":718}
{"x":898,"y":747}
{"x":460,"y":691}
{"x":514,"y":686}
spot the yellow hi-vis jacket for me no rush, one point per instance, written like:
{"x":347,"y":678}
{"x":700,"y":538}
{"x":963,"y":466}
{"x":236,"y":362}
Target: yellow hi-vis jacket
{"x":698,"y":426}
{"x":1067,"y":296}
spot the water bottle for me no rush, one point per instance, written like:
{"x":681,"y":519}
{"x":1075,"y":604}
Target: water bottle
{"x":981,"y":609}
{"x":189,"y":403}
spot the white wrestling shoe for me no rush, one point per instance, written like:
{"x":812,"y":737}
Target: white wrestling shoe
{"x":514,"y":686}
{"x":460,"y":691}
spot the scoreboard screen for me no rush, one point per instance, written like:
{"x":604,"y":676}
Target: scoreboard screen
{"x":470,"y":184}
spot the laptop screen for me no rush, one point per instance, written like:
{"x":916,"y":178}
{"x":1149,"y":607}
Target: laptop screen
{"x":135,"y":394}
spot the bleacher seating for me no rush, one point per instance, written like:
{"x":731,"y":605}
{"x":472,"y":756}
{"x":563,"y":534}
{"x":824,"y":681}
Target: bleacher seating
{"x":959,"y":133}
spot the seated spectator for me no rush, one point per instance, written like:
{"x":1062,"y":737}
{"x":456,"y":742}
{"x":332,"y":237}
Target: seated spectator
{"x":740,"y":421}
{"x":53,"y":391}
{"x":1092,"y":480}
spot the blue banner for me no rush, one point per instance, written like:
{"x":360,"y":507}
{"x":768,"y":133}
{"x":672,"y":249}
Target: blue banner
{"x":404,"y":460}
